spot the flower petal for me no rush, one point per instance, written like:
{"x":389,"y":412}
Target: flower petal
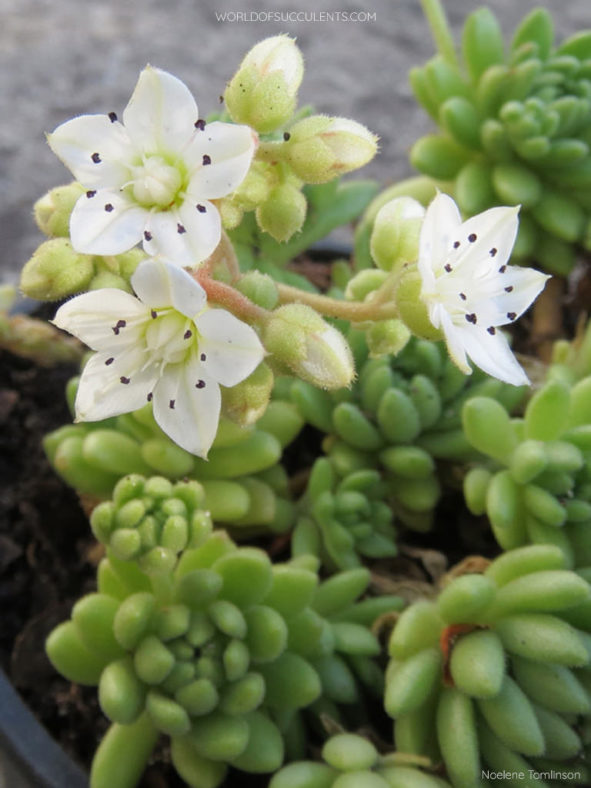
{"x":491,"y":352}
{"x":493,"y":233}
{"x":453,"y":337}
{"x":94,"y":149}
{"x":161,"y":113}
{"x":232,"y":349}
{"x":159,"y":284}
{"x":187,"y":406}
{"x":114,"y":384}
{"x":515,"y":291}
{"x":228,"y":150}
{"x":106,"y":223}
{"x":185,"y":236}
{"x":107,"y":319}
{"x":442,"y":218}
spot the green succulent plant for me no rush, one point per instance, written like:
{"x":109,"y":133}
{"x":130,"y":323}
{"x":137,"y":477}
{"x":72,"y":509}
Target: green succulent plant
{"x":491,"y":673}
{"x":351,"y":761}
{"x":515,"y":128}
{"x":214,"y":647}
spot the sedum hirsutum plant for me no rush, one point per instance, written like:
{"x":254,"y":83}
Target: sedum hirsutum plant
{"x":491,"y":675}
{"x":514,"y":127}
{"x":254,"y":450}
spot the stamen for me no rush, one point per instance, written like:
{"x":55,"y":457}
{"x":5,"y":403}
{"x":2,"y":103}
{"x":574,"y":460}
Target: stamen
{"x":201,"y":208}
{"x":120,"y":324}
{"x":171,"y":404}
{"x":492,"y":330}
{"x":149,"y":397}
{"x":206,"y":159}
{"x":286,"y":136}
{"x":154,"y":314}
{"x":456,"y":244}
{"x":493,"y":252}
{"x":180,"y":229}
{"x":509,"y":289}
{"x":112,"y":117}
{"x":125,"y":380}
{"x":502,"y":269}
{"x":463,"y":296}
{"x":200,"y":384}
{"x":200,"y":124}
{"x":447,"y":267}
{"x":472,"y":237}
{"x":109,"y":361}
{"x":471,"y":318}
{"x":147,"y":235}
{"x":90,"y":193}
{"x":96,"y":158}
{"x":511,"y":315}
{"x":108,"y":207}
{"x":188,"y":334}
{"x":203,"y":357}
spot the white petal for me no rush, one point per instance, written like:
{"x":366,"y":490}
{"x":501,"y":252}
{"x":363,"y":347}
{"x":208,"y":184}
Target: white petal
{"x":442,"y":219}
{"x":185,"y":409}
{"x":159,"y":284}
{"x":232,"y":348}
{"x":77,"y":141}
{"x":453,"y":338}
{"x":185,"y":236}
{"x":114,"y":384}
{"x":230,"y":149}
{"x":494,"y":232}
{"x":161,"y":113}
{"x":514,"y":293}
{"x":107,"y":223}
{"x":492,"y":354}
{"x":95,"y":318}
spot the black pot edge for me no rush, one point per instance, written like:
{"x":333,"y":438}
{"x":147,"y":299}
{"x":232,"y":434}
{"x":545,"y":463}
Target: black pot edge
{"x":30,"y":746}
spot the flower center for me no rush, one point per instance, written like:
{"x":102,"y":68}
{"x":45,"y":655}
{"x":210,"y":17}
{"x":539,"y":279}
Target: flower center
{"x":155,"y":182}
{"x":170,"y":336}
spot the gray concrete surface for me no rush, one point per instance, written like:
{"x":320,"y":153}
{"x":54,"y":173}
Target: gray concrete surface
{"x":60,"y":58}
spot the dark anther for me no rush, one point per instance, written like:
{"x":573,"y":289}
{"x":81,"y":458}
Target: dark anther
{"x":120,"y":324}
{"x":456,"y":244}
{"x":509,"y":289}
{"x":502,"y":269}
{"x":200,"y":124}
{"x":109,"y":361}
{"x":471,"y":318}
{"x":491,"y":330}
{"x":96,"y":158}
{"x":108,"y":207}
{"x":203,"y":357}
{"x":90,"y":193}
{"x":112,"y":117}
{"x":147,"y":235}
{"x":200,"y":384}
{"x":221,"y":99}
{"x":493,"y":252}
{"x":201,"y":208}
{"x":154,"y":314}
{"x":180,"y":229}
{"x":149,"y":397}
{"x":188,"y":334}
{"x":125,"y":380}
{"x":171,"y":404}
{"x":206,"y":159}
{"x":447,"y":267}
{"x":286,"y":135}
{"x":463,"y":296}
{"x":472,"y":237}
{"x":511,"y":315}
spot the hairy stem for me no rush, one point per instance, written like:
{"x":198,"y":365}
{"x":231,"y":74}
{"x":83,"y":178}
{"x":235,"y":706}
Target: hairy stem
{"x":354,"y":311}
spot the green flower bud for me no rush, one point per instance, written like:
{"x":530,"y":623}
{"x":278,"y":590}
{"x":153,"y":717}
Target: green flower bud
{"x":411,"y":308}
{"x":260,"y":288}
{"x":387,"y":337}
{"x":364,"y":283}
{"x":283,"y":213}
{"x":263,"y":91}
{"x":246,"y":402}
{"x":395,"y":236}
{"x":256,"y":187}
{"x":321,"y":148}
{"x":52,"y":211}
{"x":314,"y":350}
{"x":55,"y":271}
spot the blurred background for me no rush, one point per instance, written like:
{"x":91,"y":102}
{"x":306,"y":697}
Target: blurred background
{"x":61,"y":58}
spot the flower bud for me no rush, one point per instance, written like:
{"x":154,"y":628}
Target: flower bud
{"x":263,"y":91}
{"x":364,"y":283}
{"x":52,"y":211}
{"x":55,"y":271}
{"x":387,"y":337}
{"x":321,"y":148}
{"x":411,"y":308}
{"x":283,"y":214}
{"x":395,"y":236}
{"x":255,"y":188}
{"x":247,"y":401}
{"x":260,"y":288}
{"x":313,"y":349}
{"x":109,"y":279}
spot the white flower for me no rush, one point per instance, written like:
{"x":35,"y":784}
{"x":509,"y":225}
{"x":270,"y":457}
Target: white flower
{"x":152,"y":177}
{"x":165,"y":346}
{"x":469,"y":288}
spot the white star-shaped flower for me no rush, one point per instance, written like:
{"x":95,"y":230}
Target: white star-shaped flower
{"x":469,"y":288}
{"x":166,"y":347}
{"x":152,"y":177}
